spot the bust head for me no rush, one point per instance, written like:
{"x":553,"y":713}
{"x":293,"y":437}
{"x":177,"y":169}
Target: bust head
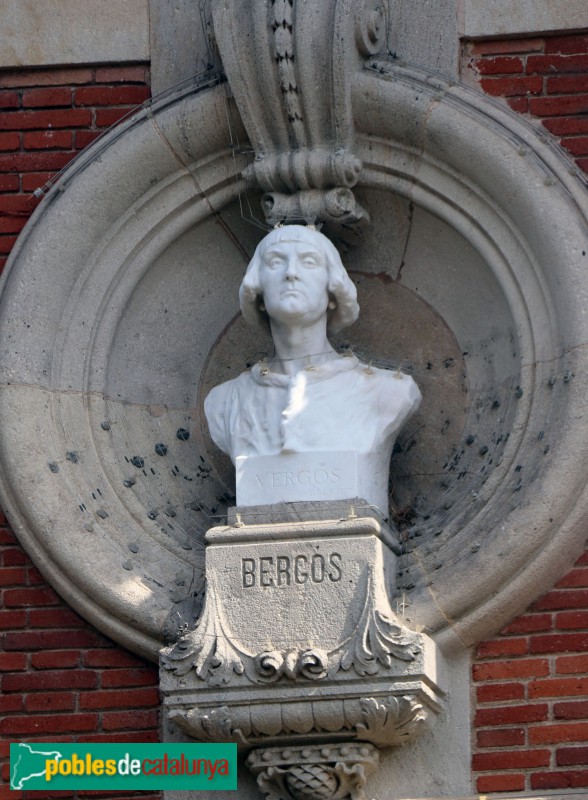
{"x":314,"y":253}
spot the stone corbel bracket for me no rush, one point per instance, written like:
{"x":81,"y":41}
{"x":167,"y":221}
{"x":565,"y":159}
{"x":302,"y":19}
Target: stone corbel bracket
{"x":298,"y":655}
{"x":289,"y":64}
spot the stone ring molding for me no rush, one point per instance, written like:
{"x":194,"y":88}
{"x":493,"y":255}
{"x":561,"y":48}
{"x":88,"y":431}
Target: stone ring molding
{"x":124,"y":280}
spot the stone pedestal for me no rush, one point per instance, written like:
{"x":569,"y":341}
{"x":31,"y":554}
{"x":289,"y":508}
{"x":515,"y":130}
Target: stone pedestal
{"x":298,"y":654}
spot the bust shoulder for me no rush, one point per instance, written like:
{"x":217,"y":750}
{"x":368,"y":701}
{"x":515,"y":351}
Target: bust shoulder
{"x":220,"y":404}
{"x":396,"y":384}
{"x":398,"y":397}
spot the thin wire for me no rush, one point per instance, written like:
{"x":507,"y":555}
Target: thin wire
{"x":201,"y":80}
{"x":235,"y":147}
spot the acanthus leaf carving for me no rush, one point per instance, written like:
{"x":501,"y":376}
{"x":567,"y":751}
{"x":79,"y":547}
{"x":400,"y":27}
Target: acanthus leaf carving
{"x":376,"y":642}
{"x":382,"y":720}
{"x":216,"y":655}
{"x":209,"y":649}
{"x":354,"y":775}
{"x":209,"y":725}
{"x":270,"y":783}
{"x":395,"y":720}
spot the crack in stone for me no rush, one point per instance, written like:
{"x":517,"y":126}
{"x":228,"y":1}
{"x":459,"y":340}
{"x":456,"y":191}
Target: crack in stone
{"x":406,"y":241}
{"x":201,"y":193}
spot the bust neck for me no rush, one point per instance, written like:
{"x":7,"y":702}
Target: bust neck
{"x":300,"y":346}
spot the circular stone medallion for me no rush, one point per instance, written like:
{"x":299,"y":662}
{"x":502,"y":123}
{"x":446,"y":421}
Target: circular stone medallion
{"x":119,"y":310}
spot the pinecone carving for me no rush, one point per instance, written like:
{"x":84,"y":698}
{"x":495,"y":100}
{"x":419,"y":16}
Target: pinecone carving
{"x":311,"y":781}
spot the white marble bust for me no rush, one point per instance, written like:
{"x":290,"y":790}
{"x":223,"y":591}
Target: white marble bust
{"x":309,"y":423}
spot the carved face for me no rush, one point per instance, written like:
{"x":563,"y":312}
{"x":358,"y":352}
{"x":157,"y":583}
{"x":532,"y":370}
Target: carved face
{"x":294,"y":279}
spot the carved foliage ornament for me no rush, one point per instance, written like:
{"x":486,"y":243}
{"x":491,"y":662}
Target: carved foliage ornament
{"x":392,"y":720}
{"x":216,"y":655}
{"x":384,"y":721}
{"x":208,"y":725}
{"x":210,"y":650}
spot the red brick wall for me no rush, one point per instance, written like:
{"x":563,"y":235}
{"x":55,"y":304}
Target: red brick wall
{"x":531,"y":695}
{"x":546,"y":78}
{"x":531,"y":682}
{"x":46,"y":117}
{"x":60,"y":680}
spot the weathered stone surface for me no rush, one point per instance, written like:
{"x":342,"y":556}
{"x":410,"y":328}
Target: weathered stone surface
{"x":302,"y":137}
{"x":512,"y":17}
{"x":181,"y":42}
{"x":108,"y":339}
{"x":425,"y":33}
{"x":42,"y":32}
{"x":435,"y":765}
{"x":520,"y":282}
{"x":302,"y":512}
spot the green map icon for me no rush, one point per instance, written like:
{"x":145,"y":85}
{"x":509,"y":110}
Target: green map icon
{"x":28,"y":765}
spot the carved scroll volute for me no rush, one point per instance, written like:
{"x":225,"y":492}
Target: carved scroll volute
{"x":290,"y":65}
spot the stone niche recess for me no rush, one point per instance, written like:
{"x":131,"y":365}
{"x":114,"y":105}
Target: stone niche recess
{"x":119,"y":311}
